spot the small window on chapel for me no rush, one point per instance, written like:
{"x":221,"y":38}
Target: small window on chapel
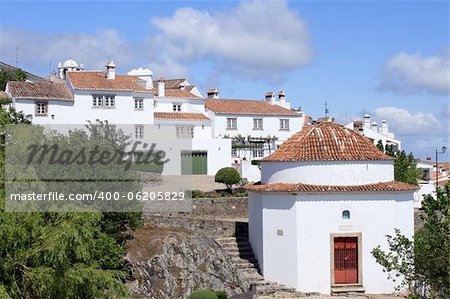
{"x":346,"y":214}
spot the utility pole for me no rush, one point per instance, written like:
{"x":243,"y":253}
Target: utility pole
{"x":437,"y":166}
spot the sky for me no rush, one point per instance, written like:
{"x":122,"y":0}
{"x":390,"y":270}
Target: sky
{"x":386,"y":58}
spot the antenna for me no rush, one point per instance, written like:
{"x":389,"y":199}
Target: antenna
{"x":17,"y":56}
{"x":326,"y":109}
{"x":81,"y":56}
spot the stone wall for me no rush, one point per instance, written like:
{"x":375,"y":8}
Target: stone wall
{"x":220,"y":208}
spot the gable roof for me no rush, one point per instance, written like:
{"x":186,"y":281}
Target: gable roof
{"x":180,"y":116}
{"x":173,"y":88}
{"x":42,"y":90}
{"x":391,"y":186}
{"x":30,"y":76}
{"x":251,"y":107}
{"x":98,"y":81}
{"x":327,"y":141}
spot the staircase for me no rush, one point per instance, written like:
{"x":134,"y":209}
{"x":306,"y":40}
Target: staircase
{"x":241,"y":253}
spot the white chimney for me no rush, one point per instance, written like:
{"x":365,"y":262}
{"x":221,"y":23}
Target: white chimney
{"x":384,"y":128}
{"x":270,"y":97}
{"x":366,"y":121}
{"x":161,"y":87}
{"x":212,"y":93}
{"x":374,"y":126}
{"x":111,"y":71}
{"x":282,"y":97}
{"x":144,"y":74}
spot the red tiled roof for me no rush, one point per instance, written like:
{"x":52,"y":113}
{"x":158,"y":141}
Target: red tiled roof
{"x":377,"y":187}
{"x":225,"y":106}
{"x":3,"y":94}
{"x":179,"y":93}
{"x":327,"y":141}
{"x":44,"y":90}
{"x":98,"y":81}
{"x":170,"y":83}
{"x":180,"y":116}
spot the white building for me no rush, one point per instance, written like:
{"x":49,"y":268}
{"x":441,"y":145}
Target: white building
{"x":327,"y":198}
{"x":256,"y":127}
{"x":132,"y":100}
{"x":375,"y":133}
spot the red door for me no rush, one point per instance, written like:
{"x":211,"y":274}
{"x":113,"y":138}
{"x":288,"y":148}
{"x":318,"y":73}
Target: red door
{"x":345,"y":260}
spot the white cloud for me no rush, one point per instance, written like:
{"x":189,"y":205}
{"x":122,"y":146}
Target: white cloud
{"x":403,"y":122}
{"x":37,"y":49}
{"x":412,"y":73}
{"x":254,"y":39}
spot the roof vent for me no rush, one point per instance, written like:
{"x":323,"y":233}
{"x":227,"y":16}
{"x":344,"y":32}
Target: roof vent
{"x":212,"y":93}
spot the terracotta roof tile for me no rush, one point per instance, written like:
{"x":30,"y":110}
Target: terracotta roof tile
{"x":327,"y":141}
{"x":45,"y":90}
{"x":98,"y":81}
{"x":180,"y":116}
{"x":179,"y":93}
{"x":225,"y":106}
{"x":377,"y":187}
{"x":3,"y":94}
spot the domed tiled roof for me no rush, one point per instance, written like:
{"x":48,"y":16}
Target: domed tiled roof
{"x":327,"y":141}
{"x":70,"y":63}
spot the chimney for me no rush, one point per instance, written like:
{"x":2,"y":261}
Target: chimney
{"x":270,"y":97}
{"x":374,"y":126}
{"x":282,"y":97}
{"x":212,"y":93}
{"x":53,"y":76}
{"x":428,"y":159}
{"x":366,"y":121}
{"x":384,"y":128}
{"x":161,"y":87}
{"x":111,"y":71}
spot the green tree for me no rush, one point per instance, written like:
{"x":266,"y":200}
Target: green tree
{"x":424,"y":263}
{"x":9,"y":75}
{"x":380,"y":145}
{"x":60,"y":255}
{"x":228,"y":176}
{"x":405,"y":168}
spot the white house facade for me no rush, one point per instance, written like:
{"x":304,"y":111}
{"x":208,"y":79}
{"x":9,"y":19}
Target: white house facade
{"x":257,"y":128}
{"x":375,"y":133}
{"x":327,"y":198}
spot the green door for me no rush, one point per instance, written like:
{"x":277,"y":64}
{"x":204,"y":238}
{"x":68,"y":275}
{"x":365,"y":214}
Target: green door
{"x":194,"y":163}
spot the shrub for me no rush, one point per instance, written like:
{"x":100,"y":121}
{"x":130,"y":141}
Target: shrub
{"x":197,"y":194}
{"x":203,"y":294}
{"x":147,"y":167}
{"x":221,"y":295}
{"x":228,"y":176}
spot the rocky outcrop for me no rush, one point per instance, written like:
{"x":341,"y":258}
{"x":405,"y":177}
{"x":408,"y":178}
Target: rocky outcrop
{"x":173,"y":262}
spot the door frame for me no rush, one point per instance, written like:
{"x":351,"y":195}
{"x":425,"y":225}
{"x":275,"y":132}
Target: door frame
{"x":358,"y":237}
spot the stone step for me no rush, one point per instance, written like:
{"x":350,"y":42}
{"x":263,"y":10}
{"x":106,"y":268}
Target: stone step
{"x":241,"y":254}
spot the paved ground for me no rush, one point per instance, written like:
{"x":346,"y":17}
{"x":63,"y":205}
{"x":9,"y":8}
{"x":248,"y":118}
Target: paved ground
{"x":194,"y":182}
{"x":336,"y":297}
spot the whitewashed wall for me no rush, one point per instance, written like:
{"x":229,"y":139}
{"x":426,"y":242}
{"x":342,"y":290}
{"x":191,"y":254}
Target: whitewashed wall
{"x":271,"y":126}
{"x":341,"y":173}
{"x":187,"y":105}
{"x":81,"y":110}
{"x":301,"y":257}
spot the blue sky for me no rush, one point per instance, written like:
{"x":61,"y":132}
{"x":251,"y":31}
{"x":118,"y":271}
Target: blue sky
{"x":386,"y":58}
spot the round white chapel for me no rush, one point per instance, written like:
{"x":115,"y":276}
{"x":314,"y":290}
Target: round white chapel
{"x":327,"y":198}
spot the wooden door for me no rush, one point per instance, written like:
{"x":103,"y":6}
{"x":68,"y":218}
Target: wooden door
{"x":345,"y":260}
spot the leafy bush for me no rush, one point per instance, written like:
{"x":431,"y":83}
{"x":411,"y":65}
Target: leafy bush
{"x":147,"y":167}
{"x":197,"y":194}
{"x":221,"y":295}
{"x":228,"y":176}
{"x":203,"y":294}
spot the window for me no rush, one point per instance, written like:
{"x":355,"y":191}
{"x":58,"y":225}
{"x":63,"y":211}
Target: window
{"x":284,"y":124}
{"x":139,"y":132}
{"x":41,"y":108}
{"x":103,"y":101}
{"x":139,"y":104}
{"x":257,"y":152}
{"x":346,"y":214}
{"x":185,"y":132}
{"x":234,"y":152}
{"x":257,"y":124}
{"x":176,"y":107}
{"x":231,"y":123}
